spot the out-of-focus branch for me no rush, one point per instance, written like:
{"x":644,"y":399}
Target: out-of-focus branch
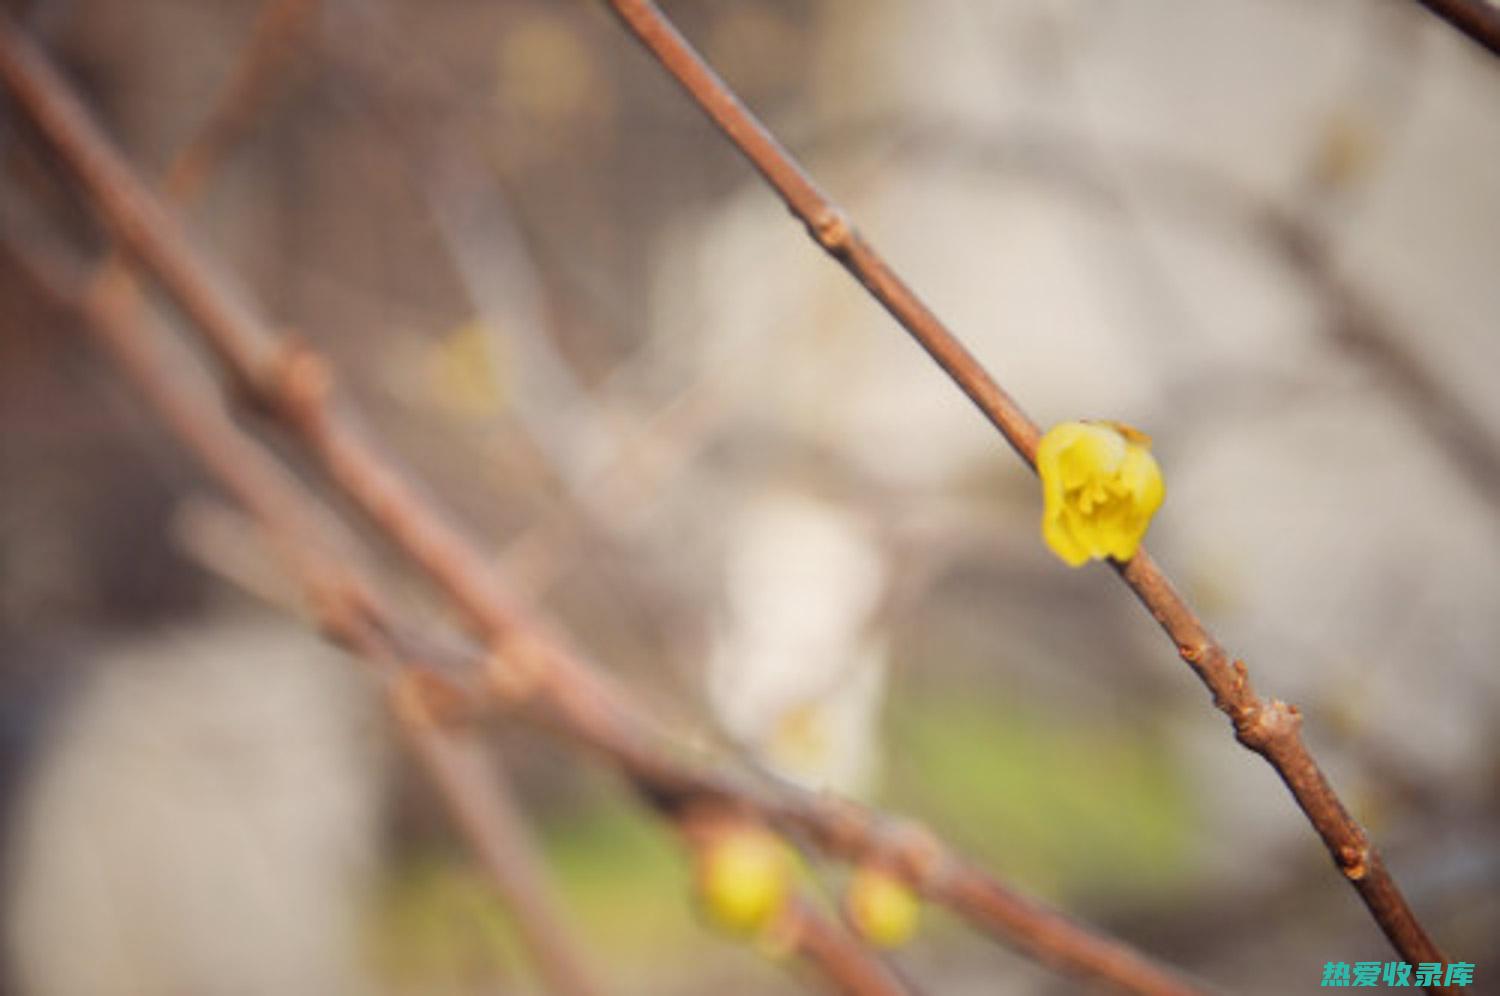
{"x":1353,"y":324}
{"x":844,"y":961}
{"x":1479,"y":19}
{"x":1269,"y":728}
{"x":251,"y":84}
{"x":480,"y":802}
{"x":1354,"y":320}
{"x":528,"y":665}
{"x":310,"y":542}
{"x":321,"y":557}
{"x":468,"y":782}
{"x":257,"y":72}
{"x":580,"y":436}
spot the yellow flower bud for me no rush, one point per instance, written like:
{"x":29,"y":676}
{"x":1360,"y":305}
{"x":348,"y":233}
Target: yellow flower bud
{"x":744,"y":876}
{"x":1100,"y":487}
{"x":882,"y":907}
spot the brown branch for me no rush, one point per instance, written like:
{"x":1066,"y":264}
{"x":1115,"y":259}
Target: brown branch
{"x":311,"y":544}
{"x":1354,"y":321}
{"x":241,"y":99}
{"x":471,"y":787}
{"x":319,"y":555}
{"x":1479,"y":19}
{"x":527,"y":664}
{"x":826,"y":222}
{"x":251,"y":84}
{"x":1356,"y":325}
{"x":1271,"y":729}
{"x":480,"y":802}
{"x":844,"y":961}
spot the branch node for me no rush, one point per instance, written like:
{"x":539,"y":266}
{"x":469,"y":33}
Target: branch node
{"x":1354,"y":861}
{"x":338,"y":604}
{"x":1241,"y":676}
{"x":1259,"y":725}
{"x":300,"y":382}
{"x":920,"y":854}
{"x":830,"y":227}
{"x":514,"y":668}
{"x":408,"y":700}
{"x":843,"y":825}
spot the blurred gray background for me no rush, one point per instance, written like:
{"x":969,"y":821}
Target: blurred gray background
{"x":1266,"y":232}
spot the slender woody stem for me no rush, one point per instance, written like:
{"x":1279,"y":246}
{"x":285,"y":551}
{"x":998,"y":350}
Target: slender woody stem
{"x":845,"y":961}
{"x":348,"y":608}
{"x":1271,"y":729}
{"x":1479,"y":19}
{"x":313,"y":546}
{"x":529,"y":664}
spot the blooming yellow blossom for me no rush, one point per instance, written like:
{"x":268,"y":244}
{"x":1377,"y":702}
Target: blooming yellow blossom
{"x":744,"y":876}
{"x":882,"y":908}
{"x":1100,"y":487}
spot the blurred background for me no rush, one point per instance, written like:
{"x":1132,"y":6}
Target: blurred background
{"x":1263,"y":231}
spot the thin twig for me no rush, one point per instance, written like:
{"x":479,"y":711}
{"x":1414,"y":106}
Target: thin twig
{"x":472,"y":789}
{"x":251,"y":85}
{"x":254,"y":78}
{"x":307,"y":536}
{"x":1270,"y":728}
{"x":1353,"y":318}
{"x":1456,"y":430}
{"x":479,"y":799}
{"x":529,"y":665}
{"x":319,"y":555}
{"x":844,"y":961}
{"x":1479,"y":19}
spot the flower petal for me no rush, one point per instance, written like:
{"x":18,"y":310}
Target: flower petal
{"x":1100,"y":488}
{"x":1059,"y":535}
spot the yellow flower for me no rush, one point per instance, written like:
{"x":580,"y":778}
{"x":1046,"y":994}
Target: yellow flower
{"x":744,"y":875}
{"x":881,"y":907}
{"x":1100,"y":487}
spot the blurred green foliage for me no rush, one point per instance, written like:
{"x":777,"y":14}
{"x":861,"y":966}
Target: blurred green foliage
{"x":1063,"y":807}
{"x":624,"y":882}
